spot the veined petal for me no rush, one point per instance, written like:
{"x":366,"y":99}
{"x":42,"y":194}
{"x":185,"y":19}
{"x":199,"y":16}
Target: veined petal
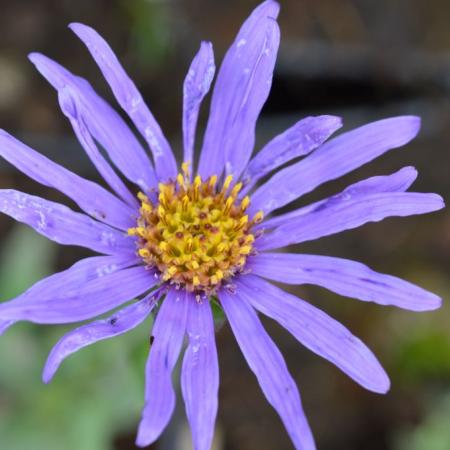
{"x":129,"y":99}
{"x":121,"y":322}
{"x":242,"y":87}
{"x":82,"y":302}
{"x":79,"y":274}
{"x":60,"y":224}
{"x":267,"y":363}
{"x":316,"y":331}
{"x":90,"y":197}
{"x":399,"y":181}
{"x":71,"y":107}
{"x":333,"y":159}
{"x":196,"y":85}
{"x":107,"y":127}
{"x":345,"y":277}
{"x":345,"y":213}
{"x":168,"y":334}
{"x":200,"y":374}
{"x":299,"y":140}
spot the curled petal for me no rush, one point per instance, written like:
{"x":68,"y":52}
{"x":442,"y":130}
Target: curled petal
{"x":196,"y":86}
{"x":129,"y":99}
{"x":103,"y":122}
{"x":122,"y":321}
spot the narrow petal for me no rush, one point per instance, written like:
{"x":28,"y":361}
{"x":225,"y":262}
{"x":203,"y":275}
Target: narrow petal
{"x":196,"y":85}
{"x":399,"y":181}
{"x":90,"y":197}
{"x":267,"y":363}
{"x":122,"y":321}
{"x":72,"y":108}
{"x":79,"y":274}
{"x":82,"y":302}
{"x":60,"y":224}
{"x":334,"y":159}
{"x":5,"y":324}
{"x":129,"y":99}
{"x":242,"y":87}
{"x":299,"y":140}
{"x":345,"y":213}
{"x":316,"y":331}
{"x":168,"y":334}
{"x":345,"y":277}
{"x":200,"y":374}
{"x":107,"y":127}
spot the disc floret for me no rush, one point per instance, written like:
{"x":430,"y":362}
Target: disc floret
{"x":196,"y":234}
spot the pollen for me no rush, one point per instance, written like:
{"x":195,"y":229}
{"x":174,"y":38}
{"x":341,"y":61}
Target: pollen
{"x":196,"y":234}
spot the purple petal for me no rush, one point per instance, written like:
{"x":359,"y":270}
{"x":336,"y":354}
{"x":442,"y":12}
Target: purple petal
{"x":241,"y":89}
{"x":267,"y":363}
{"x":334,"y":159}
{"x":168,"y":334}
{"x":90,"y":197}
{"x":129,"y":99}
{"x":5,"y":324}
{"x":196,"y":85}
{"x":122,"y":321}
{"x":107,"y":127}
{"x":348,"y":278}
{"x":399,"y":181}
{"x":347,"y":212}
{"x":60,"y":224}
{"x":83,"y":301}
{"x":71,"y":107}
{"x":200,"y":374}
{"x":79,"y":274}
{"x":316,"y":331}
{"x":299,"y":140}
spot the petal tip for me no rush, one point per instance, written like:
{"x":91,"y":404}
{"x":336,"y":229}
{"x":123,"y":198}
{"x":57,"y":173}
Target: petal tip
{"x":47,"y":375}
{"x":144,"y":437}
{"x":381,"y":384}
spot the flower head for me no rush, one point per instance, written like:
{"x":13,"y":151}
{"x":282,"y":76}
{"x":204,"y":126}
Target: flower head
{"x":190,"y":235}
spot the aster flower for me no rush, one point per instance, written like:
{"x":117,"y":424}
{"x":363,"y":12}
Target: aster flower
{"x":208,"y":232}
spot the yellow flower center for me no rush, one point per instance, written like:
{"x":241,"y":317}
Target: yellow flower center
{"x":196,"y":235}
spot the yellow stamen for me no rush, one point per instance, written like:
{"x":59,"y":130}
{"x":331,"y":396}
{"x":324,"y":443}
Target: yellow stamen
{"x":185,"y":168}
{"x":197,"y":234}
{"x":227,"y":182}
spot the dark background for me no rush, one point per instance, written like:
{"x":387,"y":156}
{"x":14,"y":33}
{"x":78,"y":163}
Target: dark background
{"x":362,"y":60}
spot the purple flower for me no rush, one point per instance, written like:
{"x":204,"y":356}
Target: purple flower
{"x":195,"y":236}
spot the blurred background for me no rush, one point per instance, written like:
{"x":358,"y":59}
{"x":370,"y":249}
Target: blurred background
{"x":361,"y":60}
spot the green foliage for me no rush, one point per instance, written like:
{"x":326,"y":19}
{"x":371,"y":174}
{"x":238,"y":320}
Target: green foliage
{"x":433,"y":433}
{"x":97,"y":392}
